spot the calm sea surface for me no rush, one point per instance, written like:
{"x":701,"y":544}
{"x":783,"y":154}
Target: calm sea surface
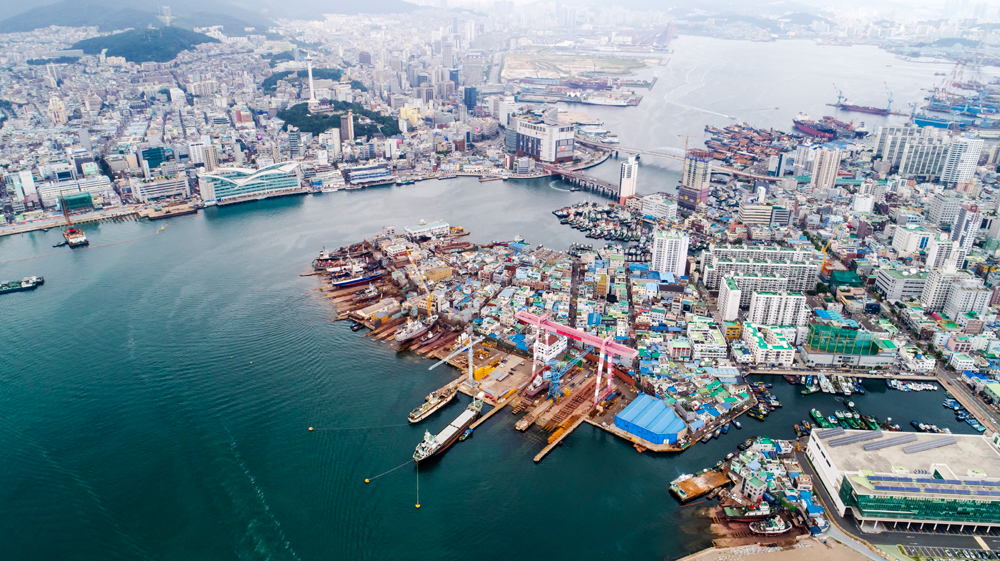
{"x":156,"y":392}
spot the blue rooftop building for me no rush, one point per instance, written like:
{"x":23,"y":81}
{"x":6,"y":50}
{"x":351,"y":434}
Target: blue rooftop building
{"x":651,"y":419}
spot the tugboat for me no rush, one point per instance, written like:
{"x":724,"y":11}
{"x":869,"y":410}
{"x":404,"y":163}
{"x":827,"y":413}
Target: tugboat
{"x":29,"y":283}
{"x":770,"y":527}
{"x":433,"y":402}
{"x":434,"y":444}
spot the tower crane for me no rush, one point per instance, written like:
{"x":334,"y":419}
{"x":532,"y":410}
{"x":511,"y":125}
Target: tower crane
{"x":563,"y":369}
{"x":827,"y":268}
{"x":423,"y":285}
{"x":466,"y":347}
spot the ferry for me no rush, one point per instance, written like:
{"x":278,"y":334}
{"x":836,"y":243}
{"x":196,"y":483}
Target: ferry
{"x":432,"y":403}
{"x":29,"y":283}
{"x":406,"y":182}
{"x":434,"y":444}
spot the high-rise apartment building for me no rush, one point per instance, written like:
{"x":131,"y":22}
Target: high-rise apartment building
{"x":944,"y":208}
{"x":824,"y":168}
{"x":778,"y":308}
{"x":347,"y":126}
{"x":935,"y":292}
{"x":670,"y":249}
{"x":963,"y":233}
{"x":961,"y":160}
{"x":966,"y":293}
{"x":627,"y":180}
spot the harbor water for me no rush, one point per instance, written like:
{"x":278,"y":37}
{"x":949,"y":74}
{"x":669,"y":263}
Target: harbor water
{"x":157,"y":394}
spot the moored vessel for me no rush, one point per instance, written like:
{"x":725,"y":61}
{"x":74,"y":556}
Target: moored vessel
{"x":434,"y":444}
{"x":434,"y":402}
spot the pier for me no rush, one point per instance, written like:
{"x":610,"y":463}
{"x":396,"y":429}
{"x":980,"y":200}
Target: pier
{"x":119,"y":215}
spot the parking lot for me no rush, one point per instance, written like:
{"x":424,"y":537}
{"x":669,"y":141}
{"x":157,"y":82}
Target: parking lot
{"x":941,"y":553}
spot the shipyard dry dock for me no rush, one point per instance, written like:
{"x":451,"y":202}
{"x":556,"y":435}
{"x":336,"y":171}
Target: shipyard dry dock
{"x":386,"y":285}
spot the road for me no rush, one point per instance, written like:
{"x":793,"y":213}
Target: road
{"x":953,"y":382}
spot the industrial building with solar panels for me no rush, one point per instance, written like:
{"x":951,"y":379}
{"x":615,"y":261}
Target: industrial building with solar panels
{"x":910,"y":481}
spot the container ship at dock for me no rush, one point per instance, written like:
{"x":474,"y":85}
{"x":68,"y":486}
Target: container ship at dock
{"x":434,"y":444}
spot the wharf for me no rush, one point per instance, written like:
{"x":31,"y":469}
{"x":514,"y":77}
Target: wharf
{"x":841,"y":372}
{"x":545,"y":451}
{"x":261,"y":197}
{"x":699,"y":485}
{"x":168,"y":212}
{"x":60,"y":221}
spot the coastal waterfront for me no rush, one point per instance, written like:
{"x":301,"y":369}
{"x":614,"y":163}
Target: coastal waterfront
{"x":162,"y":442}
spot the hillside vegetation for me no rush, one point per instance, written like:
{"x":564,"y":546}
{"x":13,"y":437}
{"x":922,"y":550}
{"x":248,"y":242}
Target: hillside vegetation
{"x":143,"y":45}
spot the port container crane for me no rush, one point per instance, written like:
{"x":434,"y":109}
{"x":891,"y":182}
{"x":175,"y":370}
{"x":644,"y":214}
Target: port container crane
{"x":557,"y":374}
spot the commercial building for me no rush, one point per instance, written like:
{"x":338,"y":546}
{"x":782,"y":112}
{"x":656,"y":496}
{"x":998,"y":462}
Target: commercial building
{"x":768,"y":345}
{"x":944,"y":208}
{"x":755,"y":214}
{"x":707,"y":342}
{"x":544,"y":141}
{"x":160,"y":188}
{"x":778,"y":308}
{"x":863,"y":203}
{"x":900,"y":285}
{"x":652,"y":420}
{"x":659,"y":207}
{"x":908,"y":240}
{"x":230,"y":183}
{"x":910,"y":481}
{"x":370,"y":173}
{"x":432,"y":230}
{"x":49,"y":193}
{"x":940,"y":250}
{"x":670,"y":249}
{"x":695,"y":179}
{"x":347,"y":126}
{"x":835,"y":341}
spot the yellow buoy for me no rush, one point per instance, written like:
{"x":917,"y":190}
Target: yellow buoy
{"x":367,"y":481}
{"x":418,"y":505}
{"x":310,"y":428}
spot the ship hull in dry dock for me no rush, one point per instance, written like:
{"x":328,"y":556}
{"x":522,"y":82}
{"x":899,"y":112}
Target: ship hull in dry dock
{"x":806,"y":128}
{"x":862,"y":109}
{"x":355,"y":281}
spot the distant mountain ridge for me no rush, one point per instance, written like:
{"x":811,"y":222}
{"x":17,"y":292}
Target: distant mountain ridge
{"x":111,"y":15}
{"x":145,"y":45}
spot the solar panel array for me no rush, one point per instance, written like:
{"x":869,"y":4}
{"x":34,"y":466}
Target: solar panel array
{"x":824,"y":434}
{"x":855,"y":438}
{"x":929,"y":445}
{"x":894,"y":441}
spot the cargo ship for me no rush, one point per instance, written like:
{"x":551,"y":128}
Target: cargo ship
{"x":29,"y":283}
{"x":354,"y":281}
{"x":415,"y":329}
{"x":814,"y":128}
{"x":434,"y":401}
{"x":434,"y":444}
{"x":861,"y":108}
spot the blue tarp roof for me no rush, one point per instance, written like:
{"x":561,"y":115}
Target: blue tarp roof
{"x":653,"y":415}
